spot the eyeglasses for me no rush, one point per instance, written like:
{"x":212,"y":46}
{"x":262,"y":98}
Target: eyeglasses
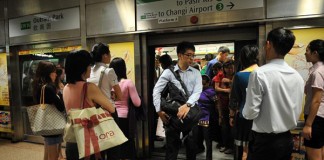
{"x":190,"y":56}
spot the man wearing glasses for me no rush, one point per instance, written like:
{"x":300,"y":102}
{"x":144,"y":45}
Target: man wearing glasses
{"x":192,"y":80}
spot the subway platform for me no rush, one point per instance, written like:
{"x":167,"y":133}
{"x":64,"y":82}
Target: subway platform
{"x":33,"y":151}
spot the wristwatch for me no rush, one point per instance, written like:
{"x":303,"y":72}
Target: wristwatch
{"x":189,"y":105}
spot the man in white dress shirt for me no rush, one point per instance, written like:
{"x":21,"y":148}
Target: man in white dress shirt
{"x":274,"y":100}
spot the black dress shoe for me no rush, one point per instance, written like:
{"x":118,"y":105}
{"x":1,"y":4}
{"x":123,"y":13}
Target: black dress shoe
{"x":158,"y":138}
{"x":200,"y":150}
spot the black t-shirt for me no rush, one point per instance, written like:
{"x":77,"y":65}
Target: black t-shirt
{"x":51,"y":97}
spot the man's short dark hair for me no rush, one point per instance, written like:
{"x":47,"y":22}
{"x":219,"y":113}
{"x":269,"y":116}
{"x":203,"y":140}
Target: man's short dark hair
{"x":282,"y":40}
{"x":165,"y":61}
{"x":182,"y":47}
{"x":223,"y":49}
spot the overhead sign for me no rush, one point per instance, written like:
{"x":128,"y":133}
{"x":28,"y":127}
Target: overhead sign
{"x":46,"y":22}
{"x":161,"y":9}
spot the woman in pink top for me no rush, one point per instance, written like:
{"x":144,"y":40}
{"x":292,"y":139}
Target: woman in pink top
{"x":77,"y":69}
{"x":129,"y":93}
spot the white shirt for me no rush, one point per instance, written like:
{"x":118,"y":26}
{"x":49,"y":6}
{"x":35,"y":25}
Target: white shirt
{"x":190,"y":77}
{"x":108,"y":81}
{"x":274,"y":97}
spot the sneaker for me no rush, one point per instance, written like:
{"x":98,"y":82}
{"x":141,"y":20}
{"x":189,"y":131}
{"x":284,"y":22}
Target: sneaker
{"x":228,"y":151}
{"x":222,"y":149}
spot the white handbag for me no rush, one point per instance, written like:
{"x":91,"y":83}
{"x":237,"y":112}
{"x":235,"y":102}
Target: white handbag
{"x":45,"y":119}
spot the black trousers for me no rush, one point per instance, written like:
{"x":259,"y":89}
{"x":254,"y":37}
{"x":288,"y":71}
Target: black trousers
{"x":270,"y":146}
{"x":226,"y":129}
{"x":72,"y":152}
{"x":203,"y":132}
{"x":173,"y":143}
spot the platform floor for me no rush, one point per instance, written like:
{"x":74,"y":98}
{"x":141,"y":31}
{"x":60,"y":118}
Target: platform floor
{"x":32,"y":151}
{"x":159,"y":152}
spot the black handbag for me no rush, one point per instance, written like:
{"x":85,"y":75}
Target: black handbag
{"x":172,"y":99}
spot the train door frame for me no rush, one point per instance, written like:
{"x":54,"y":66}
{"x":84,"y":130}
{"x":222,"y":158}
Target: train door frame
{"x":18,"y":111}
{"x":238,"y":35}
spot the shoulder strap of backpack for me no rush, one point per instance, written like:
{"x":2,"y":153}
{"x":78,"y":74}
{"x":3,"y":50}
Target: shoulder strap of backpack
{"x":177,"y":76}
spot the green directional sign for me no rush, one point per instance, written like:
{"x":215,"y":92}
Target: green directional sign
{"x":25,"y":25}
{"x":219,"y":6}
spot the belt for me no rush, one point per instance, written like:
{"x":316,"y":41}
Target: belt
{"x":272,"y":134}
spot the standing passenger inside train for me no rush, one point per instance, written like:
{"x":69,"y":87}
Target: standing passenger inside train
{"x":313,"y":130}
{"x":129,"y":95}
{"x":192,"y":80}
{"x":223,"y":52}
{"x":214,"y":115}
{"x":46,"y":75}
{"x":105,"y":78}
{"x":77,"y":68}
{"x":223,"y":83}
{"x":249,"y":61}
{"x":273,"y":100}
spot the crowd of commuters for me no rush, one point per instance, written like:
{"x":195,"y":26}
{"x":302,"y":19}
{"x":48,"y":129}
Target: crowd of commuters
{"x":251,"y":111}
{"x":255,"y":108}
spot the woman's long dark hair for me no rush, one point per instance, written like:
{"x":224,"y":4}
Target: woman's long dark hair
{"x":119,"y":65}
{"x":42,"y":76}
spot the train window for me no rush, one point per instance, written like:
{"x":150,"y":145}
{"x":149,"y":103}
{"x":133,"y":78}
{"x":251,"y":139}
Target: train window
{"x":28,"y":64}
{"x":29,"y":69}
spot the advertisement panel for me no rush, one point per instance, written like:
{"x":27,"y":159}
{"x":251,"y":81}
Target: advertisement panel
{"x":124,"y":50}
{"x":4,"y":89}
{"x":296,"y":56}
{"x":5,"y":121}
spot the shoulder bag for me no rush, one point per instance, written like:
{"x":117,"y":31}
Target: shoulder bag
{"x":94,"y":129}
{"x":177,"y":98}
{"x":45,"y":119}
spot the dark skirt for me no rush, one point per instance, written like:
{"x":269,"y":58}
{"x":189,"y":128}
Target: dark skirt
{"x":317,"y":140}
{"x":243,"y":129}
{"x":128,"y":146}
